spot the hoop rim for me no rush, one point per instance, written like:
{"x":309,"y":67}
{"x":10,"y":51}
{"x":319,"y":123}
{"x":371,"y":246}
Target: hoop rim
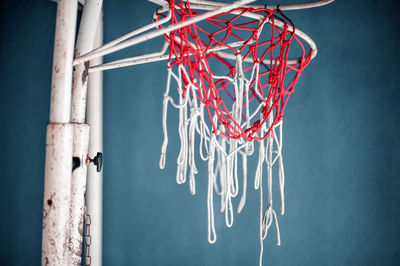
{"x":297,"y":6}
{"x":121,"y":43}
{"x":297,"y":31}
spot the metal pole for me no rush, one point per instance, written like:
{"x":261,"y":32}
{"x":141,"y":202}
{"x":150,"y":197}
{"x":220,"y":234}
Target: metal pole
{"x":85,"y":42}
{"x":94,"y":192}
{"x":78,"y":188}
{"x":57,"y":177}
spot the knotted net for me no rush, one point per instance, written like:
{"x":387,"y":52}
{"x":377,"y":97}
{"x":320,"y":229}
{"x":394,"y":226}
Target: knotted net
{"x":233,"y":80}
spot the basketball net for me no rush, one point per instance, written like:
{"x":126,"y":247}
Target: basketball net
{"x":231,"y":112}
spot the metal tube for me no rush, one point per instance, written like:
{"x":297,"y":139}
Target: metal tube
{"x":57,"y":189}
{"x":147,"y":58}
{"x":78,"y":188}
{"x":159,"y":56}
{"x":60,"y":104}
{"x":160,"y":32}
{"x":272,"y":7}
{"x":57,"y":177}
{"x":133,"y":33}
{"x":85,"y":42}
{"x":94,"y":192}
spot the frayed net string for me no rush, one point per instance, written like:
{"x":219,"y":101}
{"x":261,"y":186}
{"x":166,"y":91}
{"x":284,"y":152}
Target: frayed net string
{"x":228,"y":113}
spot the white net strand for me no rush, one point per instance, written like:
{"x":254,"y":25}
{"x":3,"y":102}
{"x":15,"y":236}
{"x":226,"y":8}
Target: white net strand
{"x":164,"y":122}
{"x":223,"y":153}
{"x":212,"y":236}
{"x":281,"y":169}
{"x":182,"y":129}
{"x":242,"y":201}
{"x":266,"y":155}
{"x":192,"y":162}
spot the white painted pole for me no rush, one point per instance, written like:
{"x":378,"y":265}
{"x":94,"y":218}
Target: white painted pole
{"x":78,"y":188}
{"x":63,"y":55}
{"x":58,"y":166}
{"x":57,"y":189}
{"x":94,"y":192}
{"x":85,"y":42}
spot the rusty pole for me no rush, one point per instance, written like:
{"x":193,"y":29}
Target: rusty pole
{"x":85,"y":42}
{"x":58,"y":165}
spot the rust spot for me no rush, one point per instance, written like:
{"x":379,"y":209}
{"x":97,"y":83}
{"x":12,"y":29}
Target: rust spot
{"x":46,"y":261}
{"x":80,"y":228}
{"x":47,"y":211}
{"x":85,"y":72}
{"x":70,"y":245}
{"x":57,"y":69}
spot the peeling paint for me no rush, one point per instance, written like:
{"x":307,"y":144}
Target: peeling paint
{"x":85,"y":72}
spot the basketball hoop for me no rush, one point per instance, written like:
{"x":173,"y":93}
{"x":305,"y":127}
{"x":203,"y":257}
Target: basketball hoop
{"x":244,"y":104}
{"x":230,"y":66}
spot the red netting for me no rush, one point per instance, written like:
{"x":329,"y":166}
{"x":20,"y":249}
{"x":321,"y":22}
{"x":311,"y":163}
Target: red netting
{"x":195,"y":46}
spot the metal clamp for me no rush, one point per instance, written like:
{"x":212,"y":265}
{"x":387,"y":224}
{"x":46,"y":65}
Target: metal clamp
{"x":97,"y":160}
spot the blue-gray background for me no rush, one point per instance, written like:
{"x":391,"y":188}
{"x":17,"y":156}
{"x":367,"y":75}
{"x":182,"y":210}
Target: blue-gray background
{"x":341,"y":151}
